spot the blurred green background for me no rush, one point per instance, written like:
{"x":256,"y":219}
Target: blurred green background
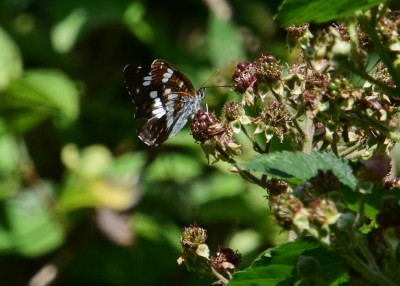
{"x":82,"y":200}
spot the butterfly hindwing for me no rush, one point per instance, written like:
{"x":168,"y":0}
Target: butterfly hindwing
{"x":153,"y":132}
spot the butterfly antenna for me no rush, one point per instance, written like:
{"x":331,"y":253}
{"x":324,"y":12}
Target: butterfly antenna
{"x":215,"y":72}
{"x":231,"y":85}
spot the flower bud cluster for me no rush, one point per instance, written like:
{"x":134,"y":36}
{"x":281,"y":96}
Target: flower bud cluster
{"x":266,"y":69}
{"x":215,"y":136}
{"x":313,"y":105}
{"x":308,"y":208}
{"x":196,"y":255}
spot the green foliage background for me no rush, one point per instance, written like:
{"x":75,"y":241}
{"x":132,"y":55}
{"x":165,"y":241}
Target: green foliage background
{"x":82,"y":200}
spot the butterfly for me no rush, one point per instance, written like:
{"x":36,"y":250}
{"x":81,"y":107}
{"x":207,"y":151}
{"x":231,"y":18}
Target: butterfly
{"x":164,"y":97}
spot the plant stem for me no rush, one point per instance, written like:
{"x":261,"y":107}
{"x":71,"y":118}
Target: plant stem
{"x":292,"y":116}
{"x":243,"y":173}
{"x":382,"y":51}
{"x":256,"y":146}
{"x":221,"y":279}
{"x":308,"y":138}
{"x":349,"y":253}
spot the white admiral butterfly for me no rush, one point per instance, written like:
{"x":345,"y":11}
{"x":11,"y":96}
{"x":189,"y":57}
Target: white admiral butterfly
{"x":164,"y":96}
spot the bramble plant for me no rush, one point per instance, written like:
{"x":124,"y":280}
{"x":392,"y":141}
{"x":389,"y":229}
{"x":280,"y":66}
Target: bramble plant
{"x":321,"y":131}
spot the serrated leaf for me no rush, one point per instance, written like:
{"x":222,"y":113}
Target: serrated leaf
{"x":287,"y":165}
{"x":320,"y":11}
{"x":277,"y":266}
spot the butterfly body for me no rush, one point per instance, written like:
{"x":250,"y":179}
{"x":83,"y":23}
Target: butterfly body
{"x":164,"y":96}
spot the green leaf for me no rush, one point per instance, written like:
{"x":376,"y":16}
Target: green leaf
{"x":168,"y":166}
{"x":41,"y":93}
{"x":10,"y":60}
{"x":9,"y":152}
{"x":223,"y":41}
{"x":135,"y":21}
{"x":65,"y":34}
{"x":320,"y":11}
{"x":95,"y":179}
{"x":27,"y":226}
{"x":288,"y":165}
{"x":277,"y":266}
{"x":10,"y":163}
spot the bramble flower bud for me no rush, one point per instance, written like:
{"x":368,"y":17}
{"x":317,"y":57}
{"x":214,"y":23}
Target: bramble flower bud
{"x":268,"y":69}
{"x":215,"y":137}
{"x":310,"y":99}
{"x":323,"y":212}
{"x":381,"y":73}
{"x":307,"y":266}
{"x":265,"y":69}
{"x":375,"y":168}
{"x":284,"y":208}
{"x":362,"y":37}
{"x":193,"y":236}
{"x":276,"y":187}
{"x":225,"y":255}
{"x":244,"y":77}
{"x":273,"y":120}
{"x":325,"y":182}
{"x":294,"y":33}
{"x":317,"y":81}
{"x":225,"y":263}
{"x":392,"y":183}
{"x":242,"y":66}
{"x":233,"y":111}
{"x":195,"y":253}
{"x":205,"y":126}
{"x":389,"y":29}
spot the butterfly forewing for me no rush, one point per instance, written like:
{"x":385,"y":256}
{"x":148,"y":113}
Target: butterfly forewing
{"x":170,"y":78}
{"x":164,"y":96}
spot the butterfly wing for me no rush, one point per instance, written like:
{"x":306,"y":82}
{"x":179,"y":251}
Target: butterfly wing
{"x":162,"y":95}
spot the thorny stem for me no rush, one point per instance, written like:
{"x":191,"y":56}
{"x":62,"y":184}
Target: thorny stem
{"x":370,"y":79}
{"x":363,"y":249}
{"x":334,"y":144}
{"x":382,"y":53}
{"x":367,"y":122}
{"x":394,"y":136}
{"x":256,"y":146}
{"x":377,"y":13}
{"x":360,"y":213}
{"x":372,"y":274}
{"x":243,"y":173}
{"x":292,"y":116}
{"x":349,"y":150}
{"x":221,"y":279}
{"x":360,"y":71}
{"x":308,"y":138}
